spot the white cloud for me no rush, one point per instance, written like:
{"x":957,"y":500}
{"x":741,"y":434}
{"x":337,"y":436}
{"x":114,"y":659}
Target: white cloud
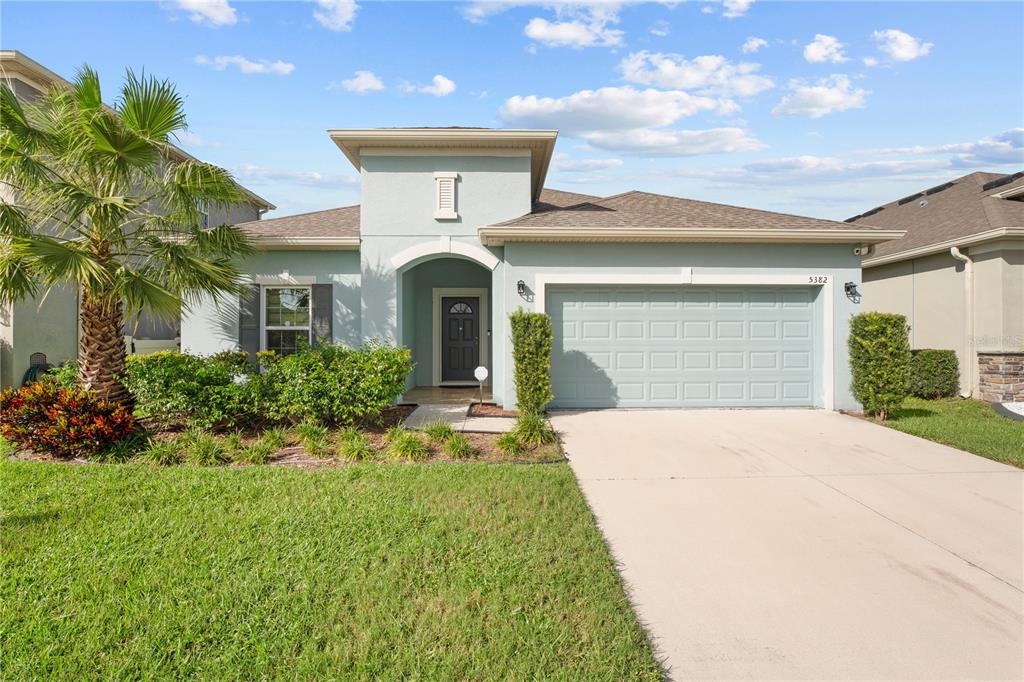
{"x":627,"y":120}
{"x":336,"y":15}
{"x":708,"y":74}
{"x":753,"y":44}
{"x":189,"y":139}
{"x":732,"y":9}
{"x":831,"y":94}
{"x":649,"y":142}
{"x":824,"y":49}
{"x":900,"y":46}
{"x":209,"y":12}
{"x":246,"y":66}
{"x":361,"y":82}
{"x":612,"y":108}
{"x":575,"y":33}
{"x":564,"y":164}
{"x":439,"y":87}
{"x":1004,"y":149}
{"x":257,"y":174}
{"x":870,"y":61}
{"x":660,"y":28}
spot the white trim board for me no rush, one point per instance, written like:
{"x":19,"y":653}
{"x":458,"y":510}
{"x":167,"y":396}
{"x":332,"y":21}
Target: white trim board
{"x":682,"y":276}
{"x":444,"y":246}
{"x":485,"y":327}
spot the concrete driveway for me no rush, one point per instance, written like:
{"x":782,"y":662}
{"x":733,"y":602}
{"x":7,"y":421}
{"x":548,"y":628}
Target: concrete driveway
{"x":790,"y":544}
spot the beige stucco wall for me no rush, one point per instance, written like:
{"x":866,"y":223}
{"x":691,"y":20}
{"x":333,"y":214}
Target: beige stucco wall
{"x":930,"y":292}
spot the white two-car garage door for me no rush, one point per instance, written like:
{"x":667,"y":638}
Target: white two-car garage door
{"x":683,"y":346}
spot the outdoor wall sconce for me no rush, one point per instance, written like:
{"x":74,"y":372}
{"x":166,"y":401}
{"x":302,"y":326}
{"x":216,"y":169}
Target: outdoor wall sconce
{"x":851,"y":291}
{"x":521,"y":287}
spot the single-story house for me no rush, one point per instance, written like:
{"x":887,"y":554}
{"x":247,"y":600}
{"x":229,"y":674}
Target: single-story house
{"x":957,"y":275}
{"x":656,"y":300}
{"x":48,"y":327}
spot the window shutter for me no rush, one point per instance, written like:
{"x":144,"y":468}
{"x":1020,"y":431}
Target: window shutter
{"x":444,"y":208}
{"x":249,"y":321}
{"x":323,"y":313}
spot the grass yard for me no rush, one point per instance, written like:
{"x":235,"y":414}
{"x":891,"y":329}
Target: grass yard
{"x":442,"y":571}
{"x":970,"y":425}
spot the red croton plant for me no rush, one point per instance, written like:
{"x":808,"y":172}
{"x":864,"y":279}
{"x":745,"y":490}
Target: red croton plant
{"x":64,"y":422}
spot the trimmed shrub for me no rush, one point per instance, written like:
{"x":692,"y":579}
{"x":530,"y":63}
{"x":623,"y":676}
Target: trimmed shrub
{"x":439,"y":431}
{"x":532,"y":430}
{"x":336,"y":384}
{"x":879,"y":346}
{"x":457,"y":446}
{"x":355,"y":446}
{"x":408,"y":446}
{"x":510,"y":444}
{"x":64,"y":422}
{"x":532,"y":337}
{"x":934,"y":373}
{"x":218,"y":391}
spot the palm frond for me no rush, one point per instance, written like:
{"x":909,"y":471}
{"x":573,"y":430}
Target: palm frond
{"x":151,"y":108}
{"x":120,"y":145}
{"x":61,"y":261}
{"x":141,"y":293}
{"x":190,"y":181}
{"x":13,"y":221}
{"x":16,"y":278}
{"x":87,"y":92}
{"x":222,"y":241}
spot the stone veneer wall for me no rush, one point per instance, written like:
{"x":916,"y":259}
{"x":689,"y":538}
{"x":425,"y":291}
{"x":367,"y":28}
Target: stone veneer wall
{"x":1001,"y":377}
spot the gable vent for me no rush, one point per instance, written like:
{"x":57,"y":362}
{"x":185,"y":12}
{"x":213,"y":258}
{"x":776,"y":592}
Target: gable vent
{"x":444,"y":205}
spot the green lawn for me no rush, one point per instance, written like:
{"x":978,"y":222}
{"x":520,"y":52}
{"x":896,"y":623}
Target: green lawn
{"x":970,"y":425}
{"x":442,"y":571}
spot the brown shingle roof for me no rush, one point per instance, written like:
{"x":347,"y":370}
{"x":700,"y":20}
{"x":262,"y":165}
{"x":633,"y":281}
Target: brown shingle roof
{"x":644,"y":209}
{"x":552,"y":199}
{"x":333,"y":223}
{"x":959,"y":209}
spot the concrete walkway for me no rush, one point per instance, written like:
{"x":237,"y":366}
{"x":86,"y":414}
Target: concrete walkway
{"x":785,"y":544}
{"x":451,"y":405}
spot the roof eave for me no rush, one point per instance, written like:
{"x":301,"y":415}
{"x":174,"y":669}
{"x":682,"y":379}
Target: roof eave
{"x":351,"y":140}
{"x":941,"y":247}
{"x":497,"y":236}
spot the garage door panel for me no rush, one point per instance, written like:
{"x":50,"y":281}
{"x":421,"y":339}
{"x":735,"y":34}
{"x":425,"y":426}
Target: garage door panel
{"x":672,"y":346}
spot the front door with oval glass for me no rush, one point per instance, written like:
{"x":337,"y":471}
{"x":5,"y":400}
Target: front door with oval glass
{"x":460,"y":337}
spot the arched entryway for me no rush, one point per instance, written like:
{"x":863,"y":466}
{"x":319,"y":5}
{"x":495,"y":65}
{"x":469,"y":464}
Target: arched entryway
{"x":445,"y":318}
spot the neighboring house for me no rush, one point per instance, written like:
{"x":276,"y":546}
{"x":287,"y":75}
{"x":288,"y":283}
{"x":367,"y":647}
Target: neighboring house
{"x":957,"y":275}
{"x":656,"y":301}
{"x":50,"y":326}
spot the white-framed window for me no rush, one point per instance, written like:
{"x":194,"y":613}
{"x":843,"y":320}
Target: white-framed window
{"x":204,"y":213}
{"x":287,"y":318}
{"x":444,"y":198}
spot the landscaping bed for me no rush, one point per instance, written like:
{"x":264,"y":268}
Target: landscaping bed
{"x":969,"y":425}
{"x":452,"y":571}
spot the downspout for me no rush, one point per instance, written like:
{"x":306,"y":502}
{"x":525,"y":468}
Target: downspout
{"x":972,"y":359}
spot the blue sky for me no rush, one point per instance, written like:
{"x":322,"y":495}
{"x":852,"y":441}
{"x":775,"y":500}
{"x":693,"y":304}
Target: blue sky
{"x":823,"y":109}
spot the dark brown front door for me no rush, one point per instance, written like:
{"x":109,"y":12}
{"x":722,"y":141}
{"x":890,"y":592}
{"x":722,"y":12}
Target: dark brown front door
{"x":460,"y":337}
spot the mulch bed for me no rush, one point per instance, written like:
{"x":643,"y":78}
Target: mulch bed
{"x":490,"y":410}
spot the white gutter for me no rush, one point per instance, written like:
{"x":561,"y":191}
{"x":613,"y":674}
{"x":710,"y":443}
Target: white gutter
{"x":941,"y":247}
{"x":969,"y":353}
{"x":279,"y":243}
{"x":498,"y":235}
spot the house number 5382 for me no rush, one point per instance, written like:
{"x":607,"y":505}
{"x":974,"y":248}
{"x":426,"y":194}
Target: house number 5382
{"x":817,"y":279}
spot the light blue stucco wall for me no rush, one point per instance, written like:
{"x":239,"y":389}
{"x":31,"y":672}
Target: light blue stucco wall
{"x":838,"y":262}
{"x":397,"y":213}
{"x":212,"y":325}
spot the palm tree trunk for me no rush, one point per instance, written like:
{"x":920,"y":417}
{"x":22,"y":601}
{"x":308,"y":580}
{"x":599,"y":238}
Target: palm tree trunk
{"x":101,"y":353}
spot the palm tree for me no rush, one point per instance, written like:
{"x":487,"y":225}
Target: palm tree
{"x":97,"y":200}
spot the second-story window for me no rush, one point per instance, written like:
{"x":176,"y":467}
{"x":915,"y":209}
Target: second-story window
{"x":204,"y":214}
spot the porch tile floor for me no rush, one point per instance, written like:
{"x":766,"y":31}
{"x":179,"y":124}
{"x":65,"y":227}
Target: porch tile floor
{"x":450,"y":405}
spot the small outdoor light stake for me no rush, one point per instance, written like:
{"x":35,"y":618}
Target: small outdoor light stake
{"x":481,"y":375}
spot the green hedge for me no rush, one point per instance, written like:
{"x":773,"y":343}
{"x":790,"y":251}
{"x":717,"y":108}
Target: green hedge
{"x":328,"y":383}
{"x":336,"y":384}
{"x":879,"y":346}
{"x":934,"y":373}
{"x":532,"y":337}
